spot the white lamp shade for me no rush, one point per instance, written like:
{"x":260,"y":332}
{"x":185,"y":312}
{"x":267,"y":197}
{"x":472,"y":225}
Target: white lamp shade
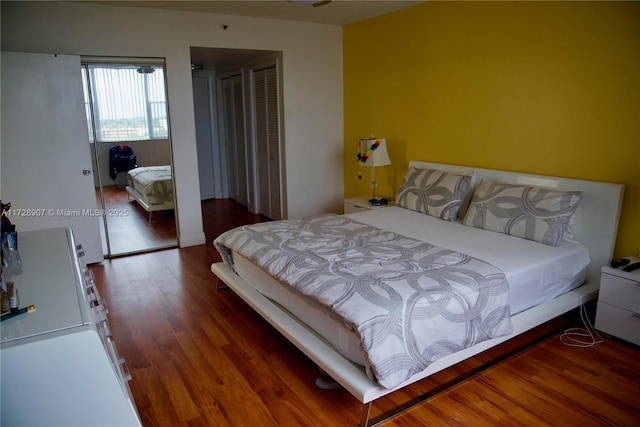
{"x":379,"y":156}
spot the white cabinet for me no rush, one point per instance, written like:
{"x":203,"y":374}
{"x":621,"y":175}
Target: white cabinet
{"x":618,"y":312}
{"x":60,"y":365}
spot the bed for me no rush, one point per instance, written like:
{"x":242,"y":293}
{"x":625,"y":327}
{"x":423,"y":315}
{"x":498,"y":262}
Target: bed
{"x":534,"y":273}
{"x":151,"y":187}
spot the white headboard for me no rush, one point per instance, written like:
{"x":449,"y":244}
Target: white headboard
{"x":595,"y":221}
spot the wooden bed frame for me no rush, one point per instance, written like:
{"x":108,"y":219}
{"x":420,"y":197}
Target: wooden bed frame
{"x":595,"y":226}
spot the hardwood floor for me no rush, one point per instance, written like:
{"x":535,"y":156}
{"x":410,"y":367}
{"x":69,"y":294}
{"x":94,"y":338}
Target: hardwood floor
{"x":130,"y":229}
{"x":202,"y":357}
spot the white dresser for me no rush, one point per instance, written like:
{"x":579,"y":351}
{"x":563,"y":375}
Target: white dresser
{"x":59,"y":364}
{"x":618,"y":311}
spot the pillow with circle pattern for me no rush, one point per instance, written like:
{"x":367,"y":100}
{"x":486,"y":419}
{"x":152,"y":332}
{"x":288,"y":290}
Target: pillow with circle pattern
{"x":433,"y":192}
{"x":533,"y":213}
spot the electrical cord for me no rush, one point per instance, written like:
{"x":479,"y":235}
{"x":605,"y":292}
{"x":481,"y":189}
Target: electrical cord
{"x":581,"y":337}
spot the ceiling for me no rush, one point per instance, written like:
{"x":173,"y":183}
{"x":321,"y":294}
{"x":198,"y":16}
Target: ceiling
{"x":336,"y":12}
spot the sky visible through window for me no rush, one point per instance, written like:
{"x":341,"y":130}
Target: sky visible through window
{"x":129,"y":102}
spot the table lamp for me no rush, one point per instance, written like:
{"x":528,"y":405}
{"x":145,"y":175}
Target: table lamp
{"x":373,"y":153}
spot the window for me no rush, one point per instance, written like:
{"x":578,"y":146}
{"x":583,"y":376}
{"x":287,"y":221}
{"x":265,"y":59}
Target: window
{"x":128,"y":102}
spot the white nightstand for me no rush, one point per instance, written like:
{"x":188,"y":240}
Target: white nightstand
{"x":618,"y":312}
{"x":358,"y":204}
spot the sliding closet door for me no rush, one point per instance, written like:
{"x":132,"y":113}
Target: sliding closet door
{"x":267,"y":139}
{"x":46,"y":162}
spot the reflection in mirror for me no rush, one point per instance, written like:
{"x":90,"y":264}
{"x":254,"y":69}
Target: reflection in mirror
{"x":131,"y":152}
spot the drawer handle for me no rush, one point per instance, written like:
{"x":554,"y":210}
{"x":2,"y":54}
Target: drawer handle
{"x":90,"y":277}
{"x":100,"y":308}
{"x":106,"y":328}
{"x":122,"y":364}
{"x":103,"y":305}
{"x":124,"y":369}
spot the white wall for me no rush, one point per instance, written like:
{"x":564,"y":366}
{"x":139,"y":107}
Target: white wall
{"x":312,"y":68}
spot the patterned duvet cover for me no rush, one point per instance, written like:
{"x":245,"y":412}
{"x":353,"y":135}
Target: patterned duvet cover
{"x":409,"y":302}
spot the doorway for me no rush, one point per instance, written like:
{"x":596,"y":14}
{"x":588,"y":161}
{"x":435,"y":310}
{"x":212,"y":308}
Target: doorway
{"x":245,"y":142}
{"x":129,"y":135}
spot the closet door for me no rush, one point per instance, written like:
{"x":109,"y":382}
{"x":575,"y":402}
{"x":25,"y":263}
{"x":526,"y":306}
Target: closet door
{"x":235,"y":139}
{"x":273,"y":123}
{"x":204,"y":136}
{"x":267,"y":135}
{"x":46,"y":161}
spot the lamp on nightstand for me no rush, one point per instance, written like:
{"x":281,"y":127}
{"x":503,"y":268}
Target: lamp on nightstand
{"x":373,"y":153}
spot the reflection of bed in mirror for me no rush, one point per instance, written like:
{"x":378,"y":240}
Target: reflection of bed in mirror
{"x":367,"y":252}
{"x":151,"y":187}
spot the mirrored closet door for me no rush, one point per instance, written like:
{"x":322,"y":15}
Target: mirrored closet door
{"x":127,"y":116}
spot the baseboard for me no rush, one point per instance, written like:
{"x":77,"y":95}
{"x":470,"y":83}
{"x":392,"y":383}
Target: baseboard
{"x":191,"y":240}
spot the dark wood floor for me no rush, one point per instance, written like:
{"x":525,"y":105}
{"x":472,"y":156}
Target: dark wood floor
{"x":202,"y":357}
{"x":130,"y":227}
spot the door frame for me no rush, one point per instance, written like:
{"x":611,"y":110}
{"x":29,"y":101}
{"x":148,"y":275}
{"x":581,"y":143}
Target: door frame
{"x":126,"y":60}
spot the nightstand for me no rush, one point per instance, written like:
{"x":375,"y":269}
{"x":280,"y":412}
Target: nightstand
{"x":359,"y":204}
{"x":618,"y":312}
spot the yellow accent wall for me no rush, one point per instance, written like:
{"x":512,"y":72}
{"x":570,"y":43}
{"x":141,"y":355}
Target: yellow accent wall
{"x":551,"y":88}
